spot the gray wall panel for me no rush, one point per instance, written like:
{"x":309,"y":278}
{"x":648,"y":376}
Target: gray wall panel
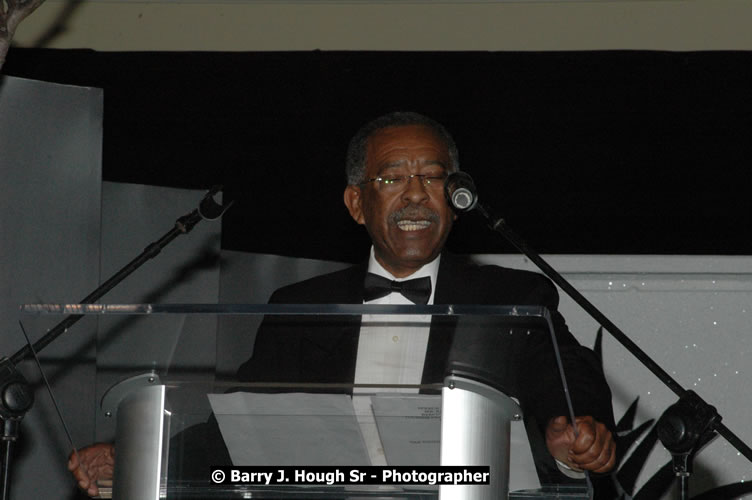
{"x":50,"y":162}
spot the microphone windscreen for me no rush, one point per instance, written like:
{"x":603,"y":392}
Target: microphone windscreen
{"x":460,"y":192}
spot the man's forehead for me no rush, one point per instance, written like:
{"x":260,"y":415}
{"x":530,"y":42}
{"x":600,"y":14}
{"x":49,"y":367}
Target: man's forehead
{"x":399,"y":145}
{"x":405,"y":162}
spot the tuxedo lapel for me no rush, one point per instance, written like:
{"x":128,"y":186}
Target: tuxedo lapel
{"x":349,"y":290}
{"x":333,"y":349}
{"x":448,"y":291}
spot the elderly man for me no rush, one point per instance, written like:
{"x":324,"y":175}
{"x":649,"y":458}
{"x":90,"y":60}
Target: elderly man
{"x":396,"y":167}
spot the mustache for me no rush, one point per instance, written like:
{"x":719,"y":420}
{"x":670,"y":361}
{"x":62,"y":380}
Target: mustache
{"x":413,"y":212}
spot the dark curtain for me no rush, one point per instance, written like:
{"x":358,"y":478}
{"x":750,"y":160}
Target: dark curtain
{"x":614,"y":152}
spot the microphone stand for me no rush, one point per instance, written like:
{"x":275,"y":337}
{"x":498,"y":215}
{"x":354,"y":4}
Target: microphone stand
{"x":685,"y":426}
{"x":16,"y":395}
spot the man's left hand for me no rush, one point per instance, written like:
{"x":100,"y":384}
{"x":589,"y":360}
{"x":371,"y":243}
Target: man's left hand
{"x":594,"y":448}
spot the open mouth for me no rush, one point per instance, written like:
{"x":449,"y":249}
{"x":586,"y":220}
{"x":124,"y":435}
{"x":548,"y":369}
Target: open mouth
{"x":413,"y":225}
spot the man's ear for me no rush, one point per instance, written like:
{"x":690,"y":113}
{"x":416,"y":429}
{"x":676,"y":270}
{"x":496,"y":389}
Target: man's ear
{"x":354,"y":203}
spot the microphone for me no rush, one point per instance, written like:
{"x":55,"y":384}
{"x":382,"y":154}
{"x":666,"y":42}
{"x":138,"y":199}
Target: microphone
{"x":460,"y":192}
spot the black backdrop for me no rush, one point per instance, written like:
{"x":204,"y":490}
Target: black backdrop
{"x":582,"y":152}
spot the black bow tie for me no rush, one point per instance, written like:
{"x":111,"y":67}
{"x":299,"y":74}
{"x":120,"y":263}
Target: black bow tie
{"x":417,"y":290}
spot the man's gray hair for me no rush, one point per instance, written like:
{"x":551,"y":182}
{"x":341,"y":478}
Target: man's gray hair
{"x":356,"y":151}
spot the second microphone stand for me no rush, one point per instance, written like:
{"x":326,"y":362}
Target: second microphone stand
{"x":16,"y":396}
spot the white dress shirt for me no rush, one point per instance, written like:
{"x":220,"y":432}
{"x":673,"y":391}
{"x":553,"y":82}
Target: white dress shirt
{"x":391,"y":350}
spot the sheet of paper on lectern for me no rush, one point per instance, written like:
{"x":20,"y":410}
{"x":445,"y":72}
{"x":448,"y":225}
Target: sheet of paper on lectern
{"x":289,"y":429}
{"x":410,"y":430}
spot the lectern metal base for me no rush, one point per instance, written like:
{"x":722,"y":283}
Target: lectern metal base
{"x":475,"y":430}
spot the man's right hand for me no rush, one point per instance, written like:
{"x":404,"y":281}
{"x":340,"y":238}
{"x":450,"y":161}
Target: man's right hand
{"x":91,"y":464}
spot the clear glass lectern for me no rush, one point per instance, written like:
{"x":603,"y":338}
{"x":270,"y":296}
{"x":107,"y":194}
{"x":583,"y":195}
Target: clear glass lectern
{"x":333,"y":403}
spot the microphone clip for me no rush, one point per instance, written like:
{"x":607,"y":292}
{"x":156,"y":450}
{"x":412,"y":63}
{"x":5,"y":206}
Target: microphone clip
{"x":209,"y":209}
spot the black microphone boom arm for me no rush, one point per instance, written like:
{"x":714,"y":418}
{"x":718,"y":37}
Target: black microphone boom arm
{"x":499,"y":225}
{"x":685,"y":426}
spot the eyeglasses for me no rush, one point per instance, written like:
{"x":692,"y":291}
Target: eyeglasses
{"x":394,"y":183}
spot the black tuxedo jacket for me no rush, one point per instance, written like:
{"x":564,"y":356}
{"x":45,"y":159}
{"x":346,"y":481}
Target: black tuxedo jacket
{"x":324,"y":350}
{"x":306,"y":349}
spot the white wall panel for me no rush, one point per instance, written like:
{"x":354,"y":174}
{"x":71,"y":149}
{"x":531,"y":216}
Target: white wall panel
{"x":693,"y":316}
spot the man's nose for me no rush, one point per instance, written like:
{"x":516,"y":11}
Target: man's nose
{"x":415,"y":190}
